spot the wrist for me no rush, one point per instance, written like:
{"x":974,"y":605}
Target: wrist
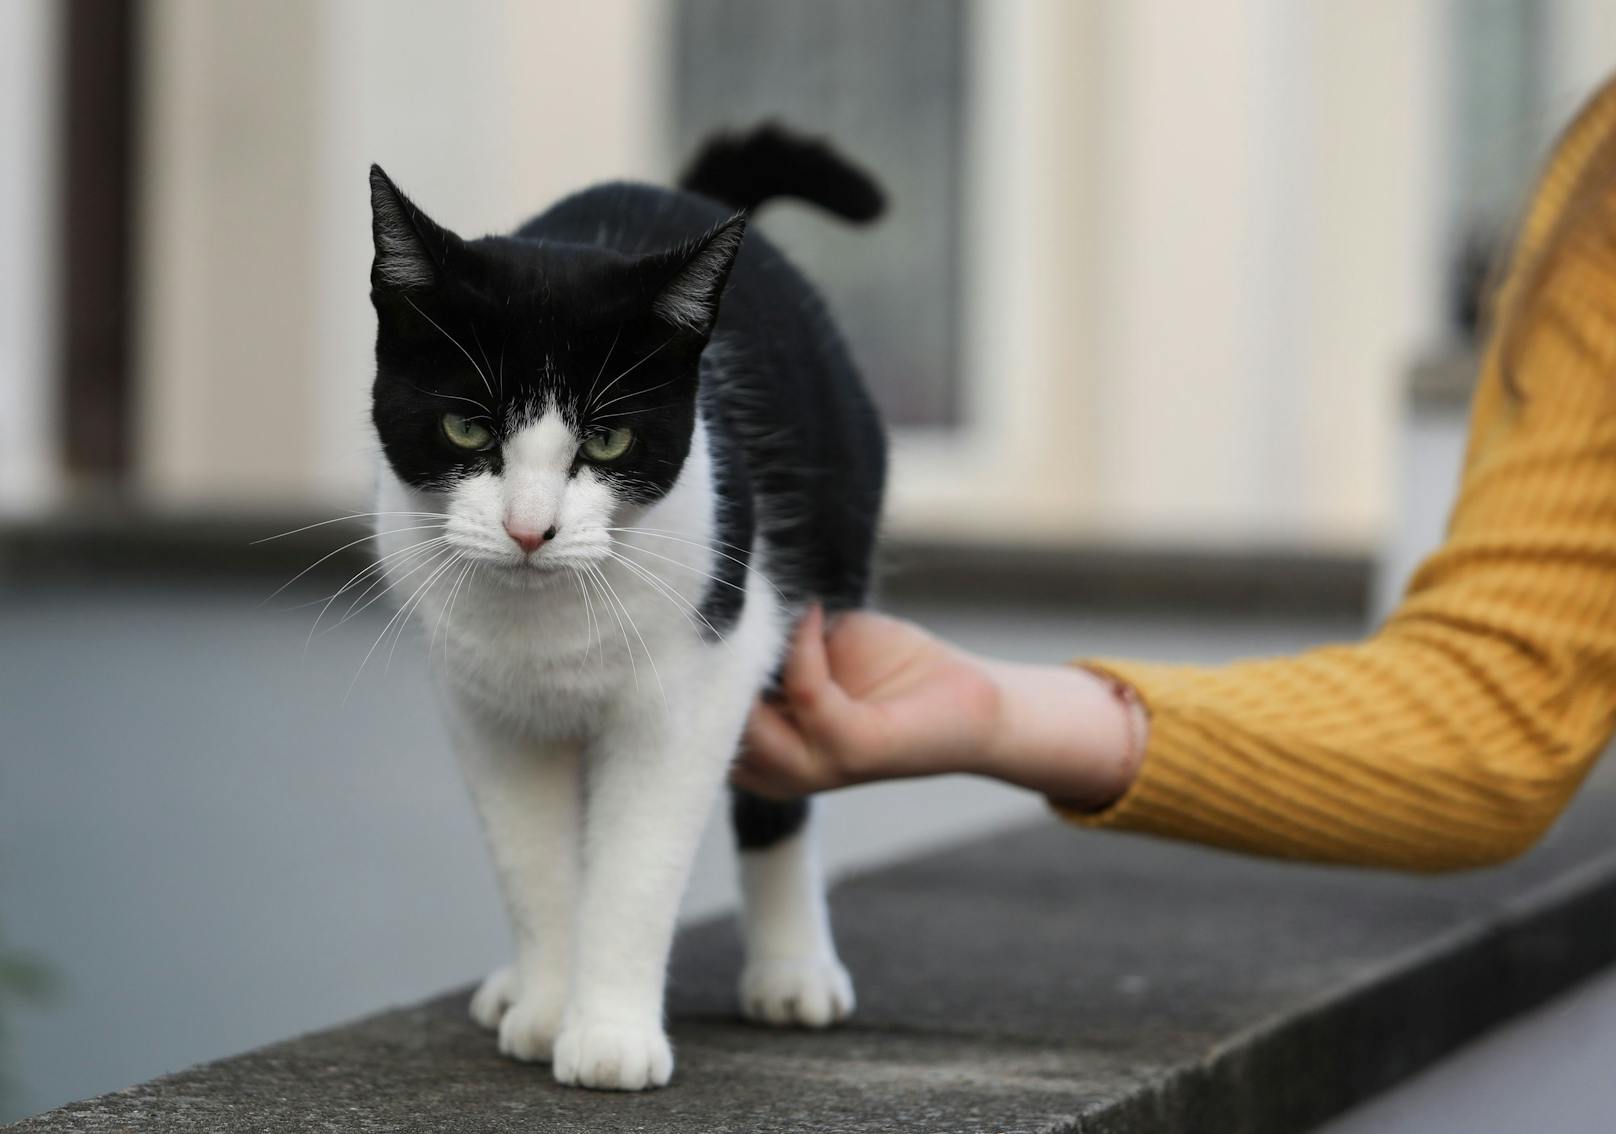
{"x":1067,"y":732}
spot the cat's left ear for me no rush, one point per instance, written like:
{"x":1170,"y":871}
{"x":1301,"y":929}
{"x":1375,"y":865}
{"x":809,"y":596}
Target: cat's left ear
{"x":688,"y":297}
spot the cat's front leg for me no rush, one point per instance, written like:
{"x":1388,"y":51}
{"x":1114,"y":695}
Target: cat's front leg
{"x":652,"y":782}
{"x":527,"y":794}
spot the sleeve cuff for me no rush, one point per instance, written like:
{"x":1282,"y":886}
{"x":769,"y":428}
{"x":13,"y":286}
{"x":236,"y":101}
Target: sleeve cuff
{"x":1151,"y":801}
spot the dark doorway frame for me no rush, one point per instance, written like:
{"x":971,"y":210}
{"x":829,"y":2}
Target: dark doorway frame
{"x":95,"y":237}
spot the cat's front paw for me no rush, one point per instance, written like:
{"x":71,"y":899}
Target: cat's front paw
{"x":613,"y":1056}
{"x":809,"y":992}
{"x":529,"y":1028}
{"x":493,"y":996}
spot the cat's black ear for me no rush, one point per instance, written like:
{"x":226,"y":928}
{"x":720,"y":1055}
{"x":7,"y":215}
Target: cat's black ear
{"x":410,"y":249}
{"x":688,"y":298}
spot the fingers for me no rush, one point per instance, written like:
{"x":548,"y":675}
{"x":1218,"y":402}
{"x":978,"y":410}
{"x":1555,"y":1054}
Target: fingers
{"x":824,"y":712}
{"x":775,"y":759}
{"x":807,"y":672}
{"x":796,"y":748}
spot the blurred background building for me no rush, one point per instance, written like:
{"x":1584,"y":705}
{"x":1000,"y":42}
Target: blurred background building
{"x":1154,"y":279}
{"x":1152,"y":271}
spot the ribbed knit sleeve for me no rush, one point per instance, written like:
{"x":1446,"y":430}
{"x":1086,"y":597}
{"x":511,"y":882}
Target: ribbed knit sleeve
{"x":1456,"y":734}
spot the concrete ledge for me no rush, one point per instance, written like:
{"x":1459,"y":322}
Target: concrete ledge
{"x":1044,"y":980}
{"x":1266,"y":580}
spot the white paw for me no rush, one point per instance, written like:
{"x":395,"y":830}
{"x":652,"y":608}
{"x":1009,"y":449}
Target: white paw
{"x":529,"y":1028}
{"x":612,"y":1056}
{"x":812,"y":992}
{"x":493,"y":996}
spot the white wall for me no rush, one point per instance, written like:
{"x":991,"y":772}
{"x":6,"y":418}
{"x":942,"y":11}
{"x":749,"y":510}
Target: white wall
{"x":28,"y":452}
{"x":1202,"y":242}
{"x":1271,"y":176}
{"x":227,"y":398}
{"x":263,"y":119}
{"x":1205,"y":242}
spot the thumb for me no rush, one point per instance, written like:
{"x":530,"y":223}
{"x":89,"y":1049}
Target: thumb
{"x":809,"y":688}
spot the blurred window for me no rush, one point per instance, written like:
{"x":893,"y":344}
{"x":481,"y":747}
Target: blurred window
{"x":886,"y":83}
{"x":1500,"y":130}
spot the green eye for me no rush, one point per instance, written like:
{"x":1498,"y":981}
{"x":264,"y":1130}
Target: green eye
{"x":607,"y":444}
{"x":465,"y":434}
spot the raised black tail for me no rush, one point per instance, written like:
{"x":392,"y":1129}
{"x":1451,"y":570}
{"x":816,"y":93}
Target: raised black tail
{"x":743,"y":170}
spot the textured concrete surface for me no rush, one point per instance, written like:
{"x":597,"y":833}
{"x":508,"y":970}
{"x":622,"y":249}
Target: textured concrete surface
{"x":213,"y":848}
{"x":1044,"y":980}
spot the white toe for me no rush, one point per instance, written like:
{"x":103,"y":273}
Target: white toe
{"x":528,"y":1031}
{"x":809,"y":992}
{"x":493,"y":996}
{"x":613,"y":1056}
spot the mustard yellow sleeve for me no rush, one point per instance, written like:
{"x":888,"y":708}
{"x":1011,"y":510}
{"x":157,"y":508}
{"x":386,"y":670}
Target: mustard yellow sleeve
{"x":1456,"y":734}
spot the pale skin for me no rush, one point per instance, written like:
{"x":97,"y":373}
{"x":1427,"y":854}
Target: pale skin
{"x":868,"y":697}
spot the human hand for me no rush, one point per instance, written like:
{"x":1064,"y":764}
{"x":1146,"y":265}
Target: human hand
{"x":878,"y":698}
{"x":872,"y":698}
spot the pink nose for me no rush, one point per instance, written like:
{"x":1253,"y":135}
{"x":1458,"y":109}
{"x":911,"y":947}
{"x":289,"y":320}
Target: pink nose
{"x":528,"y":539}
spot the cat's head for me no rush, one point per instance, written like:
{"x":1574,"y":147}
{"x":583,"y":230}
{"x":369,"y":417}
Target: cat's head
{"x":538,"y":392}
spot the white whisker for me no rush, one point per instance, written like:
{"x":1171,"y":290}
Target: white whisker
{"x":694,"y":543}
{"x":379,"y":567}
{"x":592,"y":626}
{"x":681,"y":564}
{"x":486,"y":383}
{"x":484,"y":353}
{"x":635,"y":394}
{"x":399,"y":613}
{"x":626,"y":373}
{"x":456,"y":398}
{"x":417,"y":599}
{"x":355,"y":609}
{"x":679,"y":601}
{"x":345,"y":547}
{"x":635,"y":627}
{"x":589,"y":398}
{"x":598,"y":580}
{"x":669,"y":533}
{"x":454,"y":593}
{"x":594,"y":417}
{"x":343,"y":519}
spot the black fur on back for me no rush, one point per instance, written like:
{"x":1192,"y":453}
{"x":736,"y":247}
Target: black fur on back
{"x":831,"y":535}
{"x":744,"y":171}
{"x":799,"y":449}
{"x":799,"y":454}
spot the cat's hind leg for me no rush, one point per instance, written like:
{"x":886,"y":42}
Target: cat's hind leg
{"x":792,"y":975}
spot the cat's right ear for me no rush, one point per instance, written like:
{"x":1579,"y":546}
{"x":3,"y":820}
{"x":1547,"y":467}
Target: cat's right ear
{"x":411,"y":250}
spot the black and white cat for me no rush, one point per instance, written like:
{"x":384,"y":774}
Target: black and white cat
{"x":624,"y":447}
